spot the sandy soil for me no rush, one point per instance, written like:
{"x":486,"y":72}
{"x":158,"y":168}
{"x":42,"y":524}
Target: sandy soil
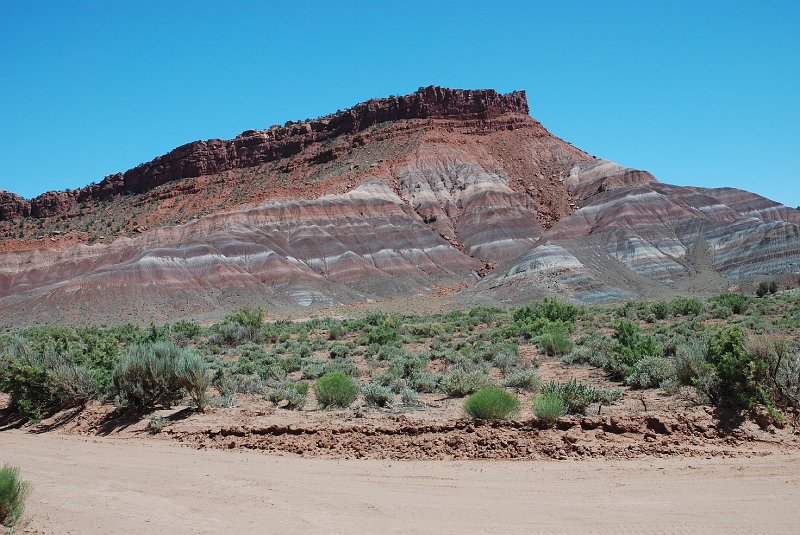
{"x":110,"y":485}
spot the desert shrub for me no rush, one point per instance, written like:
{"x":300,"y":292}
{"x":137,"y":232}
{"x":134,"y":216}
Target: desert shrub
{"x":335,"y":332}
{"x":255,"y":361}
{"x":491,"y":404}
{"x":247,"y":317}
{"x":547,"y":315}
{"x":232,"y":384}
{"x":425,"y":330}
{"x":186,"y":330}
{"x":555,"y":343}
{"x":339,"y":351}
{"x":505,"y":359}
{"x":650,"y":372}
{"x":737,"y":303}
{"x":482,"y":314}
{"x":741,"y":376}
{"x":767,"y":287}
{"x":223,"y":401}
{"x":593,"y":354}
{"x":686,"y":306}
{"x":720,"y":311}
{"x":156,"y":424}
{"x":290,"y":364}
{"x":526,"y":380}
{"x":41,"y":381}
{"x":630,"y":346}
{"x":377,"y":395}
{"x":335,"y":389}
{"x":194,"y":378}
{"x":158,"y":374}
{"x":690,"y":362}
{"x":548,"y":407}
{"x":312,"y":368}
{"x":390,"y":380}
{"x":294,"y":394}
{"x":423,"y":381}
{"x":405,"y":365}
{"x":461,"y":380}
{"x":660,"y":310}
{"x":554,"y":310}
{"x":344,"y":366}
{"x":578,"y":396}
{"x":233,"y":334}
{"x":409,"y":397}
{"x":380,"y":335}
{"x":783,"y":366}
{"x":13,"y":493}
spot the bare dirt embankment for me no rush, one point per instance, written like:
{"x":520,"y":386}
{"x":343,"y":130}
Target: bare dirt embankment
{"x":107,"y":485}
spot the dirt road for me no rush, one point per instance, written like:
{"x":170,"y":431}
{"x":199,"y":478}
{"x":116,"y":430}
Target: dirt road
{"x":109,"y":486}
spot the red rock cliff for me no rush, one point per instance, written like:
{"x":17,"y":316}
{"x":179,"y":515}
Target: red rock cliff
{"x":255,"y":147}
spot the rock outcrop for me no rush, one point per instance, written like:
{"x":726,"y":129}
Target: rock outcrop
{"x":13,"y":206}
{"x":255,"y":147}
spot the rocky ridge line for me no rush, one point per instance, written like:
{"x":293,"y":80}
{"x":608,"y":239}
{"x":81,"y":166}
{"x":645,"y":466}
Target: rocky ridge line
{"x":254,"y":147}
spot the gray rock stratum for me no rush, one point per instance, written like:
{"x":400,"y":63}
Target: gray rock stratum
{"x":439,"y":190}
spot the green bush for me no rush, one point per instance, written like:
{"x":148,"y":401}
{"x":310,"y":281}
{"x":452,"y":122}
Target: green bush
{"x":686,"y":306}
{"x":186,"y":330}
{"x":335,"y":389}
{"x":629,"y":348}
{"x":548,"y":407}
{"x":382,"y":335}
{"x":292,"y":363}
{"x":13,"y":493}
{"x":339,"y":351}
{"x":159,"y":373}
{"x":39,"y":381}
{"x":551,"y":309}
{"x":460,"y":381}
{"x":742,"y":377}
{"x":720,"y":311}
{"x":246,"y":317}
{"x":660,"y":310}
{"x":736,"y":302}
{"x":555,"y":344}
{"x":491,"y":404}
{"x":767,"y":287}
{"x":335,"y":332}
{"x":377,"y":395}
{"x":546,"y":316}
{"x":650,"y":372}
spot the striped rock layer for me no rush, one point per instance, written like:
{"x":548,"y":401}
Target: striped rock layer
{"x":441,"y":189}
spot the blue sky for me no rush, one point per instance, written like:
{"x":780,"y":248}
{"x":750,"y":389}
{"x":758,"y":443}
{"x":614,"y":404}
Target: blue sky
{"x":701,"y":93}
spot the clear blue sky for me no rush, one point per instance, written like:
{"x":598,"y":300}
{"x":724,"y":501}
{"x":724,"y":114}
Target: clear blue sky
{"x":703,"y":93}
